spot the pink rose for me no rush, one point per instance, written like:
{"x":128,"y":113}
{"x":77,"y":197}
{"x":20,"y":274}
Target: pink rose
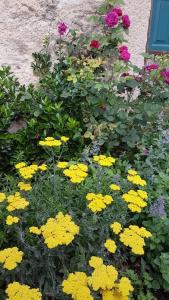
{"x":62,"y":28}
{"x":126,"y":21}
{"x":111,"y":19}
{"x":118,"y":11}
{"x":125,"y":55}
{"x":151,"y":67}
{"x":123,"y":48}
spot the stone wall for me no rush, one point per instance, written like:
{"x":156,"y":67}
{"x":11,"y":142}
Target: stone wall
{"x":23,"y":25}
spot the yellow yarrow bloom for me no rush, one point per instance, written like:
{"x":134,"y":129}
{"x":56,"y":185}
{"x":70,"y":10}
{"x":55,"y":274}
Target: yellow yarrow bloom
{"x":62,"y":164}
{"x":135,"y":200}
{"x":24,"y":186}
{"x":95,"y":262}
{"x":133,"y":237}
{"x":35,"y":230}
{"x":115,"y":187}
{"x":134,"y":178}
{"x":98,"y":202}
{"x":10,"y":257}
{"x":132,"y":172}
{"x":42,"y":167}
{"x":76,"y":285}
{"x":20,"y":165}
{"x":110,"y":245}
{"x":116,"y":227}
{"x":10,"y":220}
{"x":17,"y":291}
{"x":29,"y":171}
{"x":77,"y":173}
{"x":64,"y":139}
{"x":2,"y":197}
{"x":16,"y":202}
{"x":120,"y":291}
{"x":60,"y":230}
{"x":103,"y":160}
{"x":50,"y":142}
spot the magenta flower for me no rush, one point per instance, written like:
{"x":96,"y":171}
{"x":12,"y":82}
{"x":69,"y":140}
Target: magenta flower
{"x":126,"y":21}
{"x":125,"y":55}
{"x":118,"y":11}
{"x":111,"y":19}
{"x":165,"y":75}
{"x":152,"y":67}
{"x":62,"y":28}
{"x":123,"y":48}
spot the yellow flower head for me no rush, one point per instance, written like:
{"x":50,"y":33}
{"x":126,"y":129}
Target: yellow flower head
{"x":2,"y":197}
{"x":95,"y":262}
{"x":98,"y":202}
{"x":116,"y":227}
{"x":24,"y":186}
{"x":135,"y":200}
{"x":17,"y":291}
{"x":20,"y":165}
{"x":16,"y":202}
{"x":64,"y":139}
{"x":29,"y":171}
{"x":35,"y":230}
{"x":77,"y":173}
{"x":10,"y":220}
{"x":110,"y":245}
{"x":103,"y":160}
{"x":60,"y":230}
{"x":42,"y":167}
{"x":50,"y":142}
{"x":115,"y":187}
{"x":134,"y":178}
{"x":62,"y":164}
{"x":76,"y":285}
{"x":10,"y":257}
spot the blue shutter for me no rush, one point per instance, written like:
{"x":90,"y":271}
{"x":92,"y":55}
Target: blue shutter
{"x":159,"y":26}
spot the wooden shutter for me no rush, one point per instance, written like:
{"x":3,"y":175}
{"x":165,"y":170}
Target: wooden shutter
{"x":158,"y":39}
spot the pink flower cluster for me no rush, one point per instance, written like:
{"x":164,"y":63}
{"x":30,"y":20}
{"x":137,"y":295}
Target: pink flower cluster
{"x":165,"y":75}
{"x":152,"y":67}
{"x":114,"y":16}
{"x":62,"y":28}
{"x":124,"y":53}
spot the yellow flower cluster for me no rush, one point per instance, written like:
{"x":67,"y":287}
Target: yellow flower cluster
{"x":62,"y":164}
{"x":135,"y":200}
{"x":42,"y":167}
{"x":116,"y":227}
{"x":135,"y":178}
{"x":76,"y":285}
{"x":2,"y":197}
{"x":51,"y":142}
{"x":77,"y":173}
{"x":103,"y":160}
{"x":10,"y":257}
{"x":98,"y":202}
{"x":20,"y":165}
{"x":60,"y":230}
{"x":10,"y":220}
{"x":120,"y":291}
{"x":24,"y":186}
{"x":17,"y":291}
{"x":16,"y":202}
{"x":103,"y":279}
{"x":27,"y":172}
{"x":110,"y":245}
{"x":115,"y":187}
{"x":133,"y":237}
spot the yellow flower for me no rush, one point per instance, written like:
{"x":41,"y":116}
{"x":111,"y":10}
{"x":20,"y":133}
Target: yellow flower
{"x":50,"y":142}
{"x":64,"y":139}
{"x":42,"y":167}
{"x":20,"y":165}
{"x":62,"y":164}
{"x":29,"y":171}
{"x":120,"y":291}
{"x":115,"y":187}
{"x":60,"y":230}
{"x":10,"y":257}
{"x":135,"y":200}
{"x":110,"y":245}
{"x":116,"y":227}
{"x":135,"y":178}
{"x":24,"y":186}
{"x":10,"y":220}
{"x":98,"y":202}
{"x":17,"y":291}
{"x":95,"y":262}
{"x":72,"y":78}
{"x":2,"y":197}
{"x":35,"y":230}
{"x":76,"y":285}
{"x":103,"y":160}
{"x":132,"y":172}
{"x":77,"y":173}
{"x":16,"y":202}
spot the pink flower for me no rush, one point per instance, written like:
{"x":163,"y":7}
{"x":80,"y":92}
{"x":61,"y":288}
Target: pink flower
{"x":126,"y":21}
{"x":151,"y":67}
{"x":111,"y":19}
{"x":62,"y":28}
{"x":165,"y":74}
{"x":118,"y":11}
{"x":123,"y":48}
{"x":125,"y":55}
{"x":95,"y":44}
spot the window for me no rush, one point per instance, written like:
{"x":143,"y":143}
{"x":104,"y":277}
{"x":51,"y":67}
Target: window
{"x":158,"y":37}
